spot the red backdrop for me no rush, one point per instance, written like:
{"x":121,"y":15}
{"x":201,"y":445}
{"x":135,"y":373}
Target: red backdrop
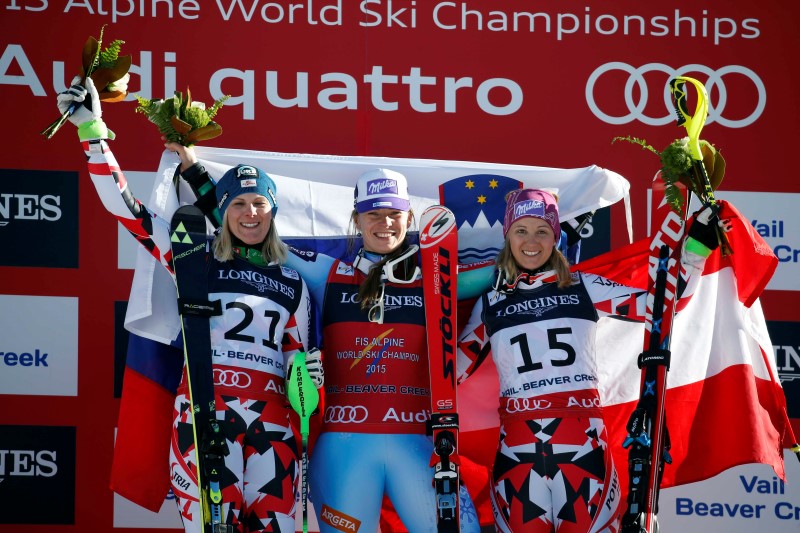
{"x":547,"y":96}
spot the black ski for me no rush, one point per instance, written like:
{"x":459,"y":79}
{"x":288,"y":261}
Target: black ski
{"x":190,"y":264}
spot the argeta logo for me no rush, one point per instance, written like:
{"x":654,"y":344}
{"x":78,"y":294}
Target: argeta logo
{"x":247,"y":183}
{"x":338,"y":520}
{"x":34,"y":461}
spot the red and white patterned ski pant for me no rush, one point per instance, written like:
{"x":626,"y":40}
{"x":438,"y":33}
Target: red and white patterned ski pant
{"x":259,"y":481}
{"x":555,"y":475}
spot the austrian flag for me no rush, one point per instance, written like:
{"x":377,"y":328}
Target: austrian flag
{"x":722,"y":382}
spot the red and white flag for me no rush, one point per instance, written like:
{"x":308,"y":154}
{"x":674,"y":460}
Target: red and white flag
{"x":725,"y":405}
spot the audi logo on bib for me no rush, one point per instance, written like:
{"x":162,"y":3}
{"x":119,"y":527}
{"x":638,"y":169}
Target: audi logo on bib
{"x":231,"y":378}
{"x":716,"y":86}
{"x":519,"y":405}
{"x":346,"y":414}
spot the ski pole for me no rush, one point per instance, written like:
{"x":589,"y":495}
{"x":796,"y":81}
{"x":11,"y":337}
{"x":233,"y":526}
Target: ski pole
{"x":304,"y":399}
{"x":694,"y":124}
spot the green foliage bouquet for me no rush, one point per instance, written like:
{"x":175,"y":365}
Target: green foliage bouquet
{"x":677,"y":166}
{"x":108,"y":70}
{"x":180,"y":119}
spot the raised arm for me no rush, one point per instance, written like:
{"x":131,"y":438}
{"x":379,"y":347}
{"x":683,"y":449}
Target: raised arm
{"x":149,"y":230}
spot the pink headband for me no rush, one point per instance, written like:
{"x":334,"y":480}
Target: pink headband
{"x":537,"y":203}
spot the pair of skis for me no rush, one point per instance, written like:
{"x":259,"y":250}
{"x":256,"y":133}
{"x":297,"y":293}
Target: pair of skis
{"x":648,"y":440}
{"x":438,"y":243}
{"x":190,"y":264}
{"x":648,"y":437}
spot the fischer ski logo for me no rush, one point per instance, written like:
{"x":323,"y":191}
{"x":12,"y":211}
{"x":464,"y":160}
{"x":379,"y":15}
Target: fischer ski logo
{"x":197,"y":248}
{"x":188,"y":227}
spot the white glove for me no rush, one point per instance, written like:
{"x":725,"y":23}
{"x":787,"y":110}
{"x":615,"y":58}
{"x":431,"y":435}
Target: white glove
{"x":121,"y":84}
{"x":88,"y":108}
{"x":313,"y":365}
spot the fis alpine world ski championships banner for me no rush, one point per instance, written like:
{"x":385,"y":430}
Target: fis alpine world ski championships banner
{"x":539,"y":83}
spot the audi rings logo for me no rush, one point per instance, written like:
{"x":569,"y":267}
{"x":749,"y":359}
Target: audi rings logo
{"x":346,"y":414}
{"x":231,"y":378}
{"x":519,"y":405}
{"x":636,"y":107}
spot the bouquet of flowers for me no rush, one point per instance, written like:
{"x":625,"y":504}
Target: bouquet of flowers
{"x":677,"y":166}
{"x":108,"y":70}
{"x":182,"y":120}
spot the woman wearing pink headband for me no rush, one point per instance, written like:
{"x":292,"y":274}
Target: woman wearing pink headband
{"x":553,"y":470}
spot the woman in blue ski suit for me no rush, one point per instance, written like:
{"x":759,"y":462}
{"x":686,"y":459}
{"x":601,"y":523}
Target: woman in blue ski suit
{"x":377,"y":394}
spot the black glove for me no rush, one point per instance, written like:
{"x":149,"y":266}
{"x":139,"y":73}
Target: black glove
{"x":705,"y":226}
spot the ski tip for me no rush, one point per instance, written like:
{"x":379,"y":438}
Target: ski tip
{"x":437,"y":222}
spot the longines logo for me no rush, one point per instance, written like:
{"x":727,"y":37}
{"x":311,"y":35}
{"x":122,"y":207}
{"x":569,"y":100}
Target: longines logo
{"x":37,"y":460}
{"x":786,"y":350}
{"x":539,"y":306}
{"x":788,"y":363}
{"x":29,"y":207}
{"x":41,"y":207}
{"x":390,"y":301}
{"x":257,"y":280}
{"x":39,"y":463}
